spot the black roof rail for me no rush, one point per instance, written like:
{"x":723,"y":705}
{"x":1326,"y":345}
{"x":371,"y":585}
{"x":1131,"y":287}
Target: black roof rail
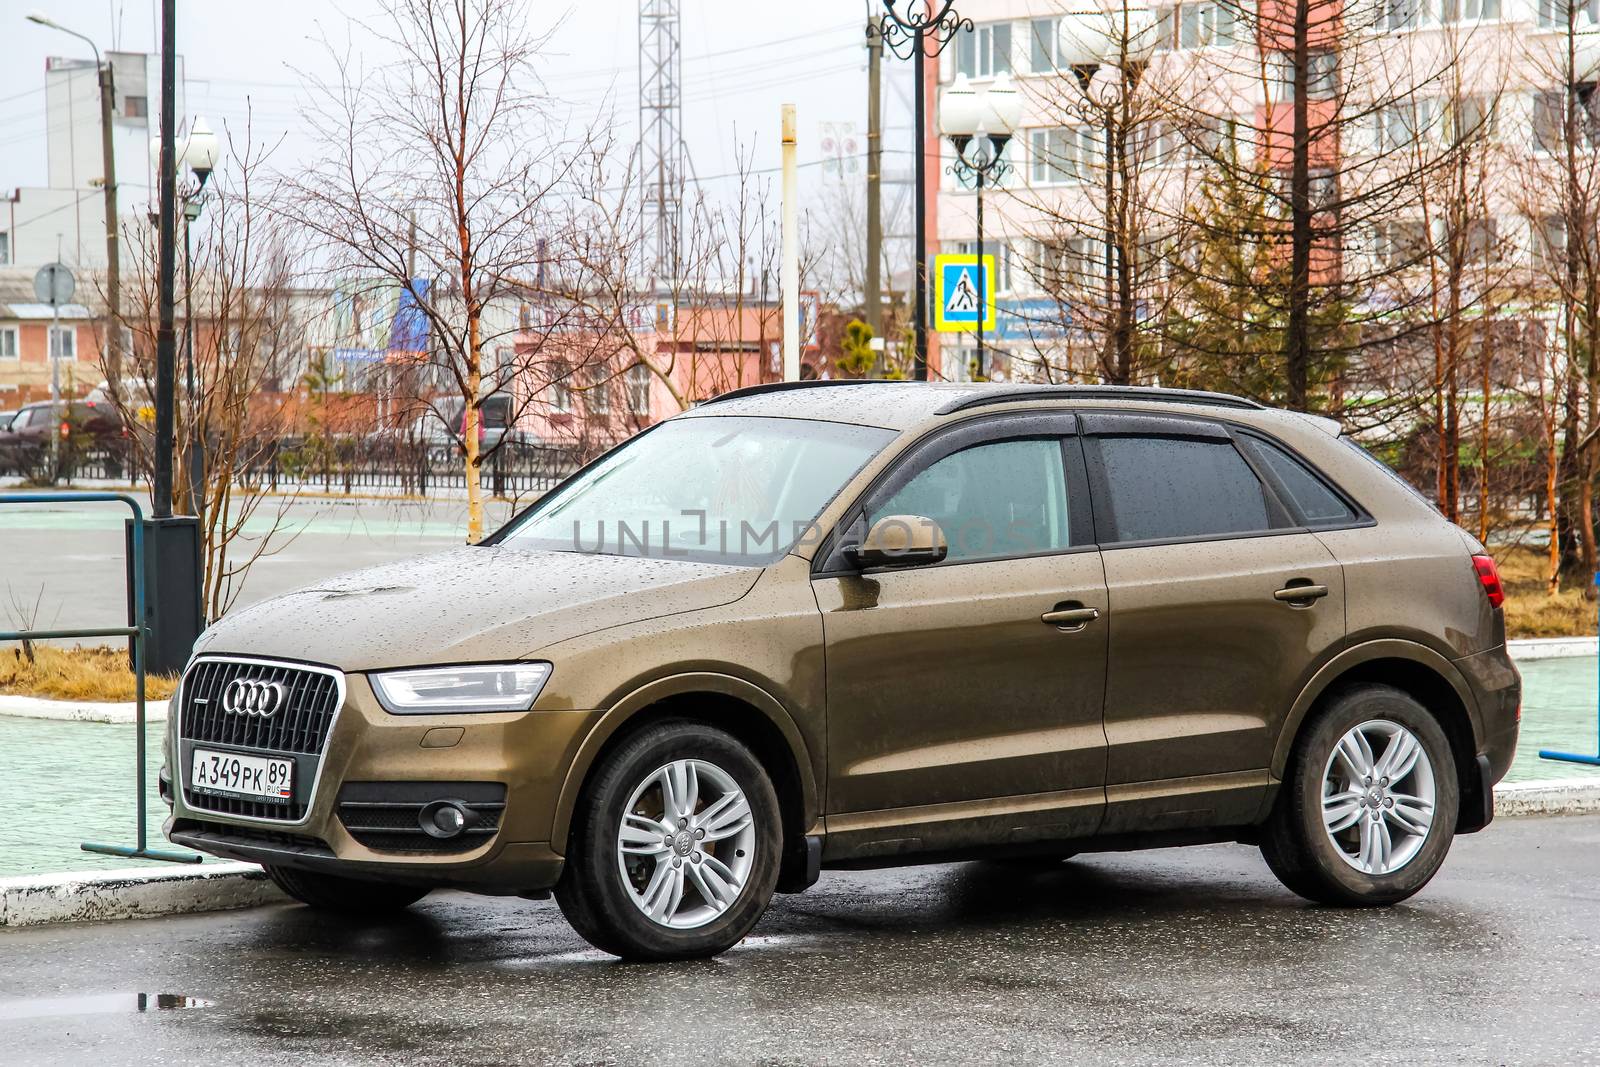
{"x":1007,"y":394}
{"x":784,"y":387}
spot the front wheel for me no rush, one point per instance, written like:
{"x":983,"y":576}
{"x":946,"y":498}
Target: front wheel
{"x":675,"y":846}
{"x":1368,"y":807}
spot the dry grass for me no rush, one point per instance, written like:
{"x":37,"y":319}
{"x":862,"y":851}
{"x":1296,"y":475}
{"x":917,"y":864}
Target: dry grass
{"x":1530,"y":611}
{"x":77,"y":674}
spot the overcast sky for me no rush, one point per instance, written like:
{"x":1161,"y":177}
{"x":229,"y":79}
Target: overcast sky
{"x":740,"y":64}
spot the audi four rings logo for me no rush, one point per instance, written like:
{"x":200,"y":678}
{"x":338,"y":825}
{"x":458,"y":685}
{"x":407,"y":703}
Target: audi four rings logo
{"x":250,"y":696}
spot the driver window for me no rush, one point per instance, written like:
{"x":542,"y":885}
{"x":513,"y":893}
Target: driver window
{"x":1006,"y":498}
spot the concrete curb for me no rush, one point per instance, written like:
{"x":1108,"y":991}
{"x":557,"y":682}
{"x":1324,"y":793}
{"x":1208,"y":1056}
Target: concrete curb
{"x":132,"y":893}
{"x":1527,"y":648}
{"x":21,"y":707}
{"x":1558,"y":796}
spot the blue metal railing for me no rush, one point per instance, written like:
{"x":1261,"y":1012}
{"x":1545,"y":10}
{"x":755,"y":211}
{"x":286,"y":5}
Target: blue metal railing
{"x":136,"y":633}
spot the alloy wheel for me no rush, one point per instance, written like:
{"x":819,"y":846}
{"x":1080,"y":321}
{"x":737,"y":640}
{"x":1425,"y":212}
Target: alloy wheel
{"x":687,"y":843}
{"x":1378,"y":796}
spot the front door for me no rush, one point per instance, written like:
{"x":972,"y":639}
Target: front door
{"x":955,"y":708}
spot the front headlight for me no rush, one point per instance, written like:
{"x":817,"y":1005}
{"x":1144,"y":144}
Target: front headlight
{"x":443,"y":690}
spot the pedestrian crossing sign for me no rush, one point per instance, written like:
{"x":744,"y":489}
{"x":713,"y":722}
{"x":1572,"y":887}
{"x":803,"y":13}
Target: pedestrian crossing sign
{"x":962,"y":292}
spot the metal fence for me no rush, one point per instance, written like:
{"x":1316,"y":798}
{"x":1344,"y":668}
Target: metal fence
{"x":366,"y":465}
{"x":408,"y":468}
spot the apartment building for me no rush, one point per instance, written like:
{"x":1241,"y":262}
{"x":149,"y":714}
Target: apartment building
{"x":1385,"y":80}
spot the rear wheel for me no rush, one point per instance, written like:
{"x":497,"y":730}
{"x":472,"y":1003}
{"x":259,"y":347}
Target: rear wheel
{"x":328,"y":892}
{"x":676,"y":846}
{"x":1368,"y":806}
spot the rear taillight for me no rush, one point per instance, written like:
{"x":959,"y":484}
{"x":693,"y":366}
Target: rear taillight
{"x":1489,"y":578}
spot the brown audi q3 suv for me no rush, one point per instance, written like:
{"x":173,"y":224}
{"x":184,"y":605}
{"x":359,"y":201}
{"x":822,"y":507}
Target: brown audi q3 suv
{"x":862,"y":624}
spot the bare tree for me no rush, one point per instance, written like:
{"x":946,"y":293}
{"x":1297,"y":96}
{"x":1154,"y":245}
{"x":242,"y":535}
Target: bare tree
{"x":1560,"y":196}
{"x":245,"y":333}
{"x":438,"y":174}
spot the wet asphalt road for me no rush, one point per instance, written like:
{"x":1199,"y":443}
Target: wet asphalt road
{"x":1192,"y":955}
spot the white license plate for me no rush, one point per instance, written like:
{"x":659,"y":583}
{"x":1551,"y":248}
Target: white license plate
{"x":232,"y":774}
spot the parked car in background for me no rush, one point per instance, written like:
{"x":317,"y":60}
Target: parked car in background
{"x":441,"y":427}
{"x":81,"y":426}
{"x":847,"y":624}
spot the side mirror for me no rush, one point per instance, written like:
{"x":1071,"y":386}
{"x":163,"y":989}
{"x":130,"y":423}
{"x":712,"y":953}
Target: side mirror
{"x":900,"y":541}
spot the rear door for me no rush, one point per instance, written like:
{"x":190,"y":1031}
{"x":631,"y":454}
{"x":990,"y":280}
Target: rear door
{"x":1209,"y":640}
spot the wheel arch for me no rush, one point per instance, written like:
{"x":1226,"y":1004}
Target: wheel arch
{"x":1414,"y":669}
{"x":740,"y":707}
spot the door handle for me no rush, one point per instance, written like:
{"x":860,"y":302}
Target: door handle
{"x":1294,"y":594}
{"x":1070,"y":620}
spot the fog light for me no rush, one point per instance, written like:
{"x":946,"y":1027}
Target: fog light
{"x":444,"y":819}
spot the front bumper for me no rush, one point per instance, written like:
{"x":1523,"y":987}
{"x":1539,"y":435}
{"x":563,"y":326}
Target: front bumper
{"x":527,"y":753}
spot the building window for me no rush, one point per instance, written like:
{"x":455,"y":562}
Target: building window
{"x":1471,"y":118}
{"x":135,"y":107}
{"x":1471,"y":10}
{"x":1477,"y":240}
{"x":1555,"y":14}
{"x":5,"y":248}
{"x":8,"y":342}
{"x":597,"y":397}
{"x":1403,"y":243}
{"x":1075,"y":263}
{"x":560,"y":392}
{"x":1550,"y":119}
{"x":63,"y":342}
{"x":1203,"y":24}
{"x":639,"y":390}
{"x":992,"y":246}
{"x":1322,"y":75}
{"x":1044,"y":35}
{"x":525,"y":317}
{"x":1402,"y":123}
{"x":984,"y":52}
{"x":1549,"y":242}
{"x":1063,"y":154}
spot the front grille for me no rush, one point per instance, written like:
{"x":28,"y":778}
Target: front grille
{"x":301,"y":725}
{"x":298,"y":729}
{"x":383,"y":816}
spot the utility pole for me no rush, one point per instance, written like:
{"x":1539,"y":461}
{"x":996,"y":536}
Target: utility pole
{"x":108,"y":180}
{"x":874,"y":289}
{"x":791,"y":252}
{"x":166,"y":340}
{"x":113,"y":362}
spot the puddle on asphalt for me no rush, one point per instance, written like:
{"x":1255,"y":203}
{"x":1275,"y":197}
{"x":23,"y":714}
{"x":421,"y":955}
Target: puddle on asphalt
{"x":97,"y":1004}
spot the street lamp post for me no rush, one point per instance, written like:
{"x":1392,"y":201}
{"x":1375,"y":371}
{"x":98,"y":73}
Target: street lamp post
{"x":909,"y":28}
{"x":980,"y":126}
{"x":200,"y":155}
{"x":113,"y":361}
{"x":1107,"y":53}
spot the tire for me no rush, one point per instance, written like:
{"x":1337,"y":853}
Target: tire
{"x":706,"y":878}
{"x":328,"y":892}
{"x":1324,"y":839}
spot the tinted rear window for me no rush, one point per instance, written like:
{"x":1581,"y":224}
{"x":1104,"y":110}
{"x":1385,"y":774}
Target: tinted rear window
{"x":1317,"y":504}
{"x":1173,"y":487}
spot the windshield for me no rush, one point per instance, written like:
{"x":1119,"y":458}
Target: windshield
{"x":729,"y":489}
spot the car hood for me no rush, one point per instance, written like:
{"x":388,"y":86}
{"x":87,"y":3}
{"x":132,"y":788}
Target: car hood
{"x":476,"y":604}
